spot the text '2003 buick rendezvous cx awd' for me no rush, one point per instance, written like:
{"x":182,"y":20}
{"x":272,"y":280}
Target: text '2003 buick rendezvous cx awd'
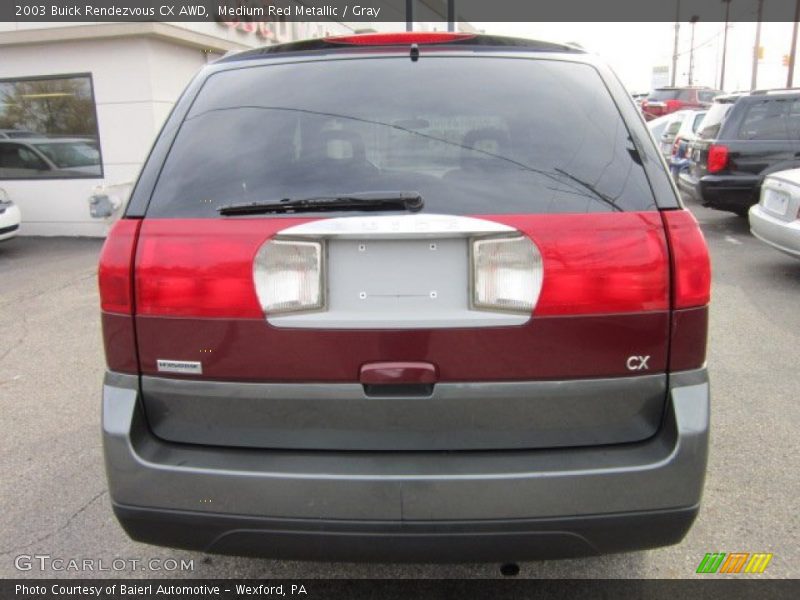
{"x":406,"y":297}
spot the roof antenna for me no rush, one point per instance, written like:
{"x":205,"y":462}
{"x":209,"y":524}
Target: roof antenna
{"x":414,"y":52}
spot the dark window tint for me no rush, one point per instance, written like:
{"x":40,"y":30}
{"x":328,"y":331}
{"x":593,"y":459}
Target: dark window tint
{"x":472,"y":135}
{"x":663,"y":95}
{"x":771,"y":119}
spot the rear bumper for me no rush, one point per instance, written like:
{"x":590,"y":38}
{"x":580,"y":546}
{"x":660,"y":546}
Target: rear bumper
{"x":781,"y":235}
{"x":729,"y":193}
{"x":408,"y":505}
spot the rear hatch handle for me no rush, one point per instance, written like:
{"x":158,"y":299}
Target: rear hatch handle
{"x":398,"y":378}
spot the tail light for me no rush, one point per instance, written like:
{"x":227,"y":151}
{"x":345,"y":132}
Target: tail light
{"x":403,"y":37}
{"x":289,"y":276}
{"x":717,"y":158}
{"x":691,"y":291}
{"x":598,"y":263}
{"x":507,"y":274}
{"x":673,"y":105}
{"x":691,"y":267}
{"x":115,"y":268}
{"x":114,"y":274}
{"x":201,"y":267}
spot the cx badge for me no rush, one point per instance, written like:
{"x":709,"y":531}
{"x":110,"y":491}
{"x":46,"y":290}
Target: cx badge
{"x":637,"y":363}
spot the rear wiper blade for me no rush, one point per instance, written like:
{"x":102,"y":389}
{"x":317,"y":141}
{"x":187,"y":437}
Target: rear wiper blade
{"x":367,"y":201}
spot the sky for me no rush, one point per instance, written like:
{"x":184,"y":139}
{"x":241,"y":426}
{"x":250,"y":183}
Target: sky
{"x":633,"y":49}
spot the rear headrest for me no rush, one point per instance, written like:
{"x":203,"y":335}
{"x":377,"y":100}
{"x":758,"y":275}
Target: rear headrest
{"x":488,"y":141}
{"x":342,"y":144}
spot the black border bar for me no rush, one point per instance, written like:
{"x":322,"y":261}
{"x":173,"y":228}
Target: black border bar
{"x":735,"y":587}
{"x":365,"y":11}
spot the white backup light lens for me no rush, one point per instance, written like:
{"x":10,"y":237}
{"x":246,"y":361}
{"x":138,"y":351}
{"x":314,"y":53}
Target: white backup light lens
{"x":288,"y":276}
{"x":507,"y":274}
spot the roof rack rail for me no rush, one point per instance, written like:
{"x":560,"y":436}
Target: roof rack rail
{"x":775,"y":90}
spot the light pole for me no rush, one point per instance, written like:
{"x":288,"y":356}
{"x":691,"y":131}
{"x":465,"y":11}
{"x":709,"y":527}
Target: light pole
{"x":693,"y":21}
{"x":727,"y":4}
{"x":756,"y":48}
{"x":790,"y":77}
{"x":409,"y":15}
{"x":675,"y":46}
{"x":451,"y":15}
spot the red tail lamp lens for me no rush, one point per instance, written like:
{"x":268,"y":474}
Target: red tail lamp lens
{"x":717,"y":158}
{"x":691,"y":267}
{"x":114,"y":270}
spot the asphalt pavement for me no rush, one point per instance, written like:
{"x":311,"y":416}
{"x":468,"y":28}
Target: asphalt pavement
{"x":52,"y":482}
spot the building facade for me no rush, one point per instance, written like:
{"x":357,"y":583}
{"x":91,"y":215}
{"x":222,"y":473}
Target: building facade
{"x":81,"y":103}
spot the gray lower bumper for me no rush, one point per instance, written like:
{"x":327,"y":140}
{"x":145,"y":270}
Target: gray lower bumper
{"x":457,"y":505}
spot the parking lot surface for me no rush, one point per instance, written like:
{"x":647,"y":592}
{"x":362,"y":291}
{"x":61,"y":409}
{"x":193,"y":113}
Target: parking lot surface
{"x":53,"y":484}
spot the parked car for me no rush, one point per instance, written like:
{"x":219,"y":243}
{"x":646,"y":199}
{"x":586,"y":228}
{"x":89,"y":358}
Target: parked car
{"x":679,"y":159}
{"x":10,"y":217}
{"x":666,"y":100}
{"x":10,"y":134}
{"x":775,"y":220}
{"x":467,"y":322}
{"x":743,"y":139}
{"x":48,"y":157}
{"x":708,"y":129}
{"x":680,"y":125}
{"x":657,"y":127}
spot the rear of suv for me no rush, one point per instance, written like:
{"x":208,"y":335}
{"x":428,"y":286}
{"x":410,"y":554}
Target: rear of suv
{"x":406,"y":297}
{"x":743,"y":139}
{"x":667,"y":100}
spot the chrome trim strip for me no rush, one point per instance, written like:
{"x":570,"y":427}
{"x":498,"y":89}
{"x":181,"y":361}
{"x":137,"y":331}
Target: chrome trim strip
{"x":402,"y":226}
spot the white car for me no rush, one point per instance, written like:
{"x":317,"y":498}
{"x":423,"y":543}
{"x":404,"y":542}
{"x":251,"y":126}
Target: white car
{"x":10,"y":217}
{"x":775,"y":220}
{"x":657,"y":126}
{"x":680,"y":125}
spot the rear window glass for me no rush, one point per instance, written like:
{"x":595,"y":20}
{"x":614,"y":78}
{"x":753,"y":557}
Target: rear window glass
{"x":706,"y":96}
{"x":773,"y":119}
{"x":473,"y":136}
{"x":674,"y":127}
{"x":663,"y":95}
{"x":709,"y":126}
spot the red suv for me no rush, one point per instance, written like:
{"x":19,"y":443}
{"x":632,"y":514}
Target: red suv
{"x":406,"y":297}
{"x":666,"y":100}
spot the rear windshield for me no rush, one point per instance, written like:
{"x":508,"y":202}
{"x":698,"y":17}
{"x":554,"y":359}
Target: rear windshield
{"x":709,"y":127}
{"x":663,"y":95}
{"x":472,"y":135}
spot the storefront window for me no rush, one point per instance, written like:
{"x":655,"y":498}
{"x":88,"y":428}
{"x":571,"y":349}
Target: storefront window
{"x":48,"y":128}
